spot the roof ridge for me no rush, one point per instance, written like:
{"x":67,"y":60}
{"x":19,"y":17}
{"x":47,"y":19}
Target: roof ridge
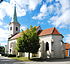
{"x":48,"y":28}
{"x":53,"y":30}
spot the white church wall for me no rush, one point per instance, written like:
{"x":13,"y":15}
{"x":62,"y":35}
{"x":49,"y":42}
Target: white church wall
{"x":10,"y":31}
{"x":13,"y":28}
{"x":54,"y":50}
{"x":57,"y":46}
{"x":16,"y":25}
{"x":13,"y":49}
{"x":26,"y":54}
{"x":12,"y":45}
{"x":48,"y":39}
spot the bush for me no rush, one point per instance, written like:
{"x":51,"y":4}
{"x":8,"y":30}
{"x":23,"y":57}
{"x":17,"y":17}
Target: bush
{"x":3,"y":54}
{"x":11,"y":55}
{"x":6,"y":55}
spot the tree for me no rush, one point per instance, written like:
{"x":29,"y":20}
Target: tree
{"x":20,"y":46}
{"x":32,"y":45}
{"x":29,"y":41}
{"x":2,"y":50}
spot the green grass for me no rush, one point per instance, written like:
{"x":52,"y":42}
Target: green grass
{"x":21,"y":58}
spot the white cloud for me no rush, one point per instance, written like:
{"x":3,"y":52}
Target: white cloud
{"x":65,"y":4}
{"x":49,"y":0}
{"x":23,"y":28}
{"x":61,"y":21}
{"x":42,"y":13}
{"x":67,"y":38}
{"x":3,"y":35}
{"x":51,"y":9}
{"x":60,"y":11}
{"x":6,"y":9}
{"x":41,"y":22}
{"x":33,"y":3}
{"x":1,"y":23}
{"x":2,"y":10}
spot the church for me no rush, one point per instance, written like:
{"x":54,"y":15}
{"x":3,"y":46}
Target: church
{"x":51,"y":41}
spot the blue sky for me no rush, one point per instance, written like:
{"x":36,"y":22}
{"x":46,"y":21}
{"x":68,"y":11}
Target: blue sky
{"x":46,"y":13}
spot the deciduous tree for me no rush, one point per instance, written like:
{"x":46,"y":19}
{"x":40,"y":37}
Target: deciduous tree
{"x":29,"y":41}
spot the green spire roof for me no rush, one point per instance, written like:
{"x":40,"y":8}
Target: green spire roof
{"x":15,"y":15}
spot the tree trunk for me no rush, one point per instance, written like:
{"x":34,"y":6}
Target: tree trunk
{"x":29,"y":55}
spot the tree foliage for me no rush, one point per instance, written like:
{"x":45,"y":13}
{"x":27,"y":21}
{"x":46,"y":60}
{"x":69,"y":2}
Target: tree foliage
{"x":2,"y":49}
{"x":32,"y":40}
{"x":29,"y":41}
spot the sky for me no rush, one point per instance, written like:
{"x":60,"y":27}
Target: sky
{"x":44,"y":13}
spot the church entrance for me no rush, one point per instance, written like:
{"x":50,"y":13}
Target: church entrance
{"x":47,"y":46}
{"x":47,"y":50}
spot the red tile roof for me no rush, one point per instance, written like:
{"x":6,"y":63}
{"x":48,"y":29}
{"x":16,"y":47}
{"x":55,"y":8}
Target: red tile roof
{"x":49,"y":31}
{"x":16,"y":36}
{"x":42,"y":33}
{"x":19,"y":34}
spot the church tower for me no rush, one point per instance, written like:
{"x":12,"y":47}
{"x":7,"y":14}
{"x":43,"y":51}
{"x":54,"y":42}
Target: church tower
{"x":14,"y":26}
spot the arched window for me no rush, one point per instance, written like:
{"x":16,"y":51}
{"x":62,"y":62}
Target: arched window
{"x":10,"y":28}
{"x":47,"y":46}
{"x":16,"y":28}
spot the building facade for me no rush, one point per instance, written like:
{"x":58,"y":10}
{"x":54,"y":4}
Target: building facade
{"x":51,"y":41}
{"x":67,"y":49}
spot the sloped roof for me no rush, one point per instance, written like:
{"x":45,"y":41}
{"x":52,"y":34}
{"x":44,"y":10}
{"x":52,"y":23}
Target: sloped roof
{"x":49,"y":31}
{"x":67,"y":46}
{"x":16,"y":36}
{"x":19,"y":34}
{"x":37,"y":27}
{"x":42,"y":33}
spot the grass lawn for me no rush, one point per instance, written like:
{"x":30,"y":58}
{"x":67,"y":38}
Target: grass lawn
{"x":21,"y":58}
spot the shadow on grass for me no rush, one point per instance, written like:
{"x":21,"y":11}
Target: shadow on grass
{"x":50,"y":60}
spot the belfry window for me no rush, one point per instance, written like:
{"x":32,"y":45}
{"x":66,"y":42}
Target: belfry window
{"x":47,"y":46}
{"x":16,"y":28}
{"x":10,"y":28}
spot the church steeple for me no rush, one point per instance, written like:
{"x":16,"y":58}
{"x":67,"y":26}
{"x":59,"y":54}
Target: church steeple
{"x":14,"y":26}
{"x":15,"y":14}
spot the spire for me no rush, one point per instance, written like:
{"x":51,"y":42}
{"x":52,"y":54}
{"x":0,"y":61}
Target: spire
{"x":15,"y":14}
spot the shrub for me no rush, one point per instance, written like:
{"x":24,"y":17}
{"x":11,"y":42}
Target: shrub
{"x":3,"y":54}
{"x":6,"y":55}
{"x":11,"y":55}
